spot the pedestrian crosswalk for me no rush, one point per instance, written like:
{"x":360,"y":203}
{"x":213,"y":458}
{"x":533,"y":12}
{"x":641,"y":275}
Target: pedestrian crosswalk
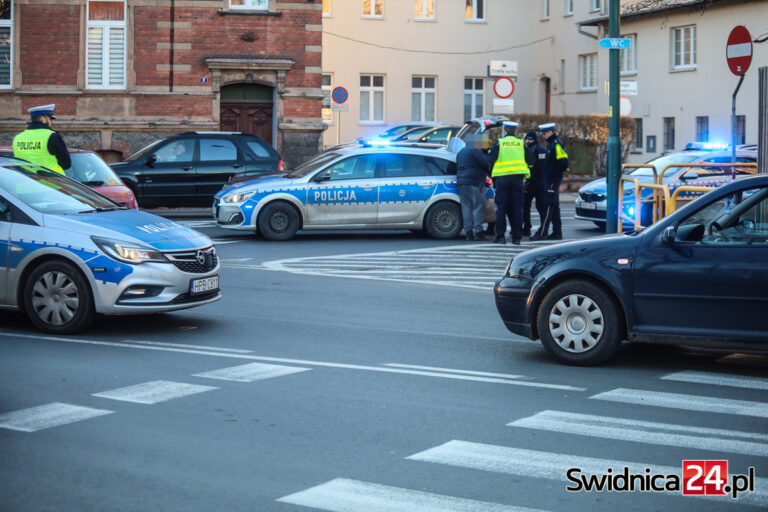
{"x":343,"y":494}
{"x":470,"y":265}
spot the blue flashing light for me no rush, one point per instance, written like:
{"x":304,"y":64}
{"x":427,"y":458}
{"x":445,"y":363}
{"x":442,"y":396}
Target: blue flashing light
{"x":706,"y":145}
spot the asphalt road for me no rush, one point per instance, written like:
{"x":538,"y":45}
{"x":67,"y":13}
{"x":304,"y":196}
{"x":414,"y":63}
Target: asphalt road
{"x":358,"y":372}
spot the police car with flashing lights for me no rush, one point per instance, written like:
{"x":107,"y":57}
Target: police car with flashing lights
{"x":68,"y":253}
{"x":592,"y":199}
{"x":351,"y":187}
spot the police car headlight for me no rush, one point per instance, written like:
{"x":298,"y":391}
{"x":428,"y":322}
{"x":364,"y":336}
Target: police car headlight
{"x":238,"y":198}
{"x":129,"y":252}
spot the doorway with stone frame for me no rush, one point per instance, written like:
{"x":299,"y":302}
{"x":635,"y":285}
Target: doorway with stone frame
{"x":247,"y":108}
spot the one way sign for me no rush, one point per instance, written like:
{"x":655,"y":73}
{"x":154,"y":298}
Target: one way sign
{"x":615,"y":42}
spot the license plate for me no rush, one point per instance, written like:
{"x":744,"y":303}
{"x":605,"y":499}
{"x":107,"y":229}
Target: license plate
{"x":203,"y":285}
{"x":589,"y":206}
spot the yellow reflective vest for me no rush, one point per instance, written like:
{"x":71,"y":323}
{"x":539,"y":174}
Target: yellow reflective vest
{"x":511,"y":158}
{"x":32,"y":145}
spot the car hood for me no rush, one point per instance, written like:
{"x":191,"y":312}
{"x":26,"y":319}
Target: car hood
{"x":600,"y":186}
{"x":134,"y":226}
{"x":250,"y":183}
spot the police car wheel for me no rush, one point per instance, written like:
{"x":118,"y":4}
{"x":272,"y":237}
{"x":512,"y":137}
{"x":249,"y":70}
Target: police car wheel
{"x":58,"y":299}
{"x":579,"y":323}
{"x":278,"y":221}
{"x":443,"y":220}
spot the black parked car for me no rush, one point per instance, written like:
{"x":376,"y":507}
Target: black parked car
{"x":189,"y":168}
{"x":698,"y":277}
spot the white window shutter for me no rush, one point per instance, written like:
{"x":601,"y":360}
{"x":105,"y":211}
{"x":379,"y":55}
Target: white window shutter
{"x":116,"y":57}
{"x":95,"y":56}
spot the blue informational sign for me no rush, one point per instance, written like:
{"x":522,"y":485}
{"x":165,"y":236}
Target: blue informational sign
{"x":615,"y":42}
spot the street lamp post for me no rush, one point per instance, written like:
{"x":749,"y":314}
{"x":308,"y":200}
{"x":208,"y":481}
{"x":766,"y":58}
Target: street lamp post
{"x":614,"y":143}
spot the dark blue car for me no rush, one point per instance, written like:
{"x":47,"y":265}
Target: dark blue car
{"x":698,"y":277}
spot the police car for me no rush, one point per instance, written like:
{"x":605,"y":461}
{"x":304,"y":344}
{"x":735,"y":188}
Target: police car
{"x":67,"y":253}
{"x":350,"y":187}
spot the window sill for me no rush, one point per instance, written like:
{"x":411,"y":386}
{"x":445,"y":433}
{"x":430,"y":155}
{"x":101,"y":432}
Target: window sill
{"x":629,"y":73}
{"x":587,"y":91}
{"x":475,"y":22}
{"x":373,"y":17}
{"x":372,"y":123}
{"x":428,"y":20}
{"x":544,"y":19}
{"x":682,"y":70}
{"x":248,"y":12}
{"x":567,"y":14}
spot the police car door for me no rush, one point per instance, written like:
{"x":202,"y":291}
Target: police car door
{"x":5,"y":241}
{"x":344,"y":193}
{"x":407,"y":184}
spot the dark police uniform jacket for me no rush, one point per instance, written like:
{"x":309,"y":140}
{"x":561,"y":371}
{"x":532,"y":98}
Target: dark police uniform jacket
{"x":535,"y":157}
{"x":555,"y":163}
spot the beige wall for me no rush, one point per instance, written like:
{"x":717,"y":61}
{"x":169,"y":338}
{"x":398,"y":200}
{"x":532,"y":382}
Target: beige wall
{"x":542,"y":48}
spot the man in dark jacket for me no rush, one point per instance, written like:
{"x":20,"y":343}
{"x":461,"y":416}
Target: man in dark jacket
{"x":472,"y":169}
{"x":555,"y":166}
{"x":535,"y":155}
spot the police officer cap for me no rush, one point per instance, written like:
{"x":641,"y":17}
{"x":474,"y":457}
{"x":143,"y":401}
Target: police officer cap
{"x":546,"y":127}
{"x":42,"y":110}
{"x":510,"y":126}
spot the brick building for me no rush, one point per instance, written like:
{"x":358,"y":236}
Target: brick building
{"x":125,"y":72}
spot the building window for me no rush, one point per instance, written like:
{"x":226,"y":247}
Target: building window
{"x":741,"y":129}
{"x":105,"y":62}
{"x":327,"y":88}
{"x":6,"y":41}
{"x":474,"y":97}
{"x":702,"y":129}
{"x":424,"y":10}
{"x":326,"y":7}
{"x":637,"y":146}
{"x":371,"y":98}
{"x":669,"y":134}
{"x":250,"y":5}
{"x":628,"y":56}
{"x":544,"y":9}
{"x":373,"y":8}
{"x":588,"y":72}
{"x":423,"y":98}
{"x":475,"y":10}
{"x":684,"y":47}
{"x":595,"y":5}
{"x":568,"y":9}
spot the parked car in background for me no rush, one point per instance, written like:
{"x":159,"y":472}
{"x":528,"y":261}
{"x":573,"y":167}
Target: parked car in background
{"x":89,"y":169}
{"x":592,"y":200}
{"x":350,"y":187}
{"x":189,"y":168}
{"x":698,"y":277}
{"x":429,"y":135}
{"x":68,"y":253}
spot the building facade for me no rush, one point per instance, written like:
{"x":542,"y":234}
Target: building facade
{"x":125,"y":72}
{"x":437,"y":60}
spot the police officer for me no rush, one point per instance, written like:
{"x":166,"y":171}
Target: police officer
{"x":509,"y":172}
{"x":40,"y":144}
{"x":535,"y":156}
{"x":555,"y":165}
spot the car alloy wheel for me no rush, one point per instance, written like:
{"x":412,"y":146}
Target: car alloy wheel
{"x":57,"y":298}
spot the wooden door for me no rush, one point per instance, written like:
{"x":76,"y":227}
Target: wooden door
{"x":247,"y":117}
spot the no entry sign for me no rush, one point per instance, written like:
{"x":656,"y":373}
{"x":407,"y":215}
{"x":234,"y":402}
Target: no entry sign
{"x":738,"y":50}
{"x":503,"y":87}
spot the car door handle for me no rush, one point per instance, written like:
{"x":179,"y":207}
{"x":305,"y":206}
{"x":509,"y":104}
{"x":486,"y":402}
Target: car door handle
{"x":426,"y":185}
{"x":236,"y":166}
{"x":187,"y":168}
{"x":367,"y":187}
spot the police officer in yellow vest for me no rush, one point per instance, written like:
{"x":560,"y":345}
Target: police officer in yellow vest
{"x":509,"y":173}
{"x":40,"y":144}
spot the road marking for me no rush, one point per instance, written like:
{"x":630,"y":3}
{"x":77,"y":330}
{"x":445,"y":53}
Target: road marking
{"x":685,"y":402}
{"x":453,"y":370}
{"x":251,"y":372}
{"x":154,"y":392}
{"x":48,"y":416}
{"x":196,"y":347}
{"x":718,"y":379}
{"x":665,"y":434}
{"x":382,"y":369}
{"x":553,"y":466}
{"x":345,"y":495}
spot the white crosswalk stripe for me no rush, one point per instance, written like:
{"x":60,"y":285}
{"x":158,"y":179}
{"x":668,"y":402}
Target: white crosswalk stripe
{"x":48,"y":416}
{"x":344,"y":495}
{"x":663,"y":434}
{"x":719,"y":379}
{"x":471,"y":265}
{"x":153,"y":392}
{"x":685,"y":402}
{"x":251,"y":372}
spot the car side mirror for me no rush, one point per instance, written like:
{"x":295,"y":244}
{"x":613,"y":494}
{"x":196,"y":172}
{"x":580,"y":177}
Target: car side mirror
{"x":669,"y":235}
{"x":151,"y":159}
{"x":323,"y":176}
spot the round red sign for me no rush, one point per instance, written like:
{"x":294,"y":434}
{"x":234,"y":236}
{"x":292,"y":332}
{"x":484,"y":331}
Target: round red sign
{"x":504,"y":87}
{"x":738,"y":50}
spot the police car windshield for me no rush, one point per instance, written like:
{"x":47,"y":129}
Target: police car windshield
{"x":90,"y":169}
{"x":663,"y":161}
{"x":50,"y":192}
{"x":312,"y":164}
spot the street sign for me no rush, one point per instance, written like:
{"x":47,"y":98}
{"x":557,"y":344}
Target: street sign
{"x":504,"y":87}
{"x":339,"y":107}
{"x":339,"y":95}
{"x":503,"y":106}
{"x":615,"y":42}
{"x":738,"y":50}
{"x":628,"y":87}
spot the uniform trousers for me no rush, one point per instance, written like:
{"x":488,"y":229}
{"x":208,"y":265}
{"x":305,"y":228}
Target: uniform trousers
{"x":552,"y":208}
{"x":533,"y":191}
{"x":509,"y":203}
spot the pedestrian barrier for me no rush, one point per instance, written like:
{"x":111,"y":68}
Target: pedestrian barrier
{"x":666,"y":197}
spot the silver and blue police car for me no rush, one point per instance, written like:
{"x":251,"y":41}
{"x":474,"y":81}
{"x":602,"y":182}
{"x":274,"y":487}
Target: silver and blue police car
{"x":68,"y":253}
{"x":351,"y":187}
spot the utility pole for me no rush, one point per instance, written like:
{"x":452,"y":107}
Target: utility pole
{"x":614,"y":141}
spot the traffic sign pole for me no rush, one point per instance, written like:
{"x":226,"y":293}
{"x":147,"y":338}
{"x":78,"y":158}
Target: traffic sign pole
{"x":738,"y":54}
{"x":613,"y":174}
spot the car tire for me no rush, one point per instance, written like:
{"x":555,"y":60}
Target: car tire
{"x":592,"y":329}
{"x":443,"y":220}
{"x":278,"y":221}
{"x":58,"y":299}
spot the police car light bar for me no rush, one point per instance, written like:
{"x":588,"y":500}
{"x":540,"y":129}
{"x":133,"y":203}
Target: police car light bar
{"x":706,"y":145}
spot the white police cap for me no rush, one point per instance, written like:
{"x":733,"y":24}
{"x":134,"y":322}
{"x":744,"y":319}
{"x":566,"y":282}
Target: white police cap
{"x":42,"y":110}
{"x":546,"y":127}
{"x":510,"y":125}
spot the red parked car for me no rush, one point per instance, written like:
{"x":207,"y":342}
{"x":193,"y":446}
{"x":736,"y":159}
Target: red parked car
{"x":89,"y":169}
